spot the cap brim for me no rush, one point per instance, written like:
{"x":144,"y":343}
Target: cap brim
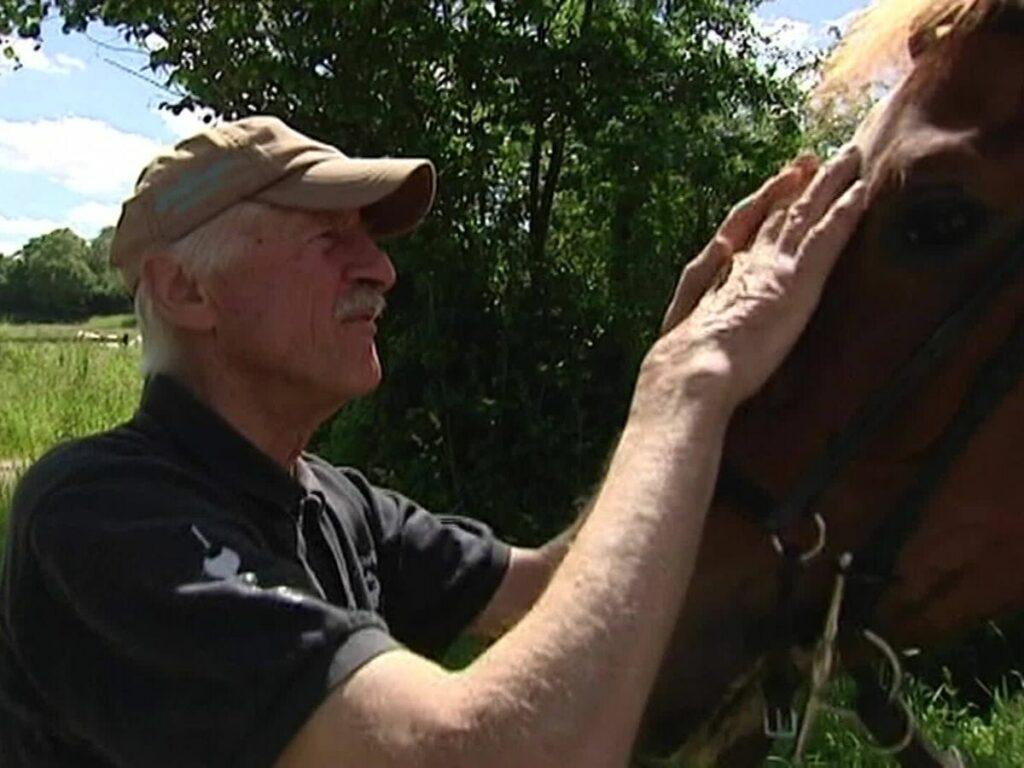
{"x":393,"y":194}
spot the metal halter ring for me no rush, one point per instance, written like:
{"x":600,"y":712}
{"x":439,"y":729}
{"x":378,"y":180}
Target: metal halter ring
{"x":893,"y":660}
{"x":853,"y":719}
{"x":908,"y":736}
{"x":813,"y":552}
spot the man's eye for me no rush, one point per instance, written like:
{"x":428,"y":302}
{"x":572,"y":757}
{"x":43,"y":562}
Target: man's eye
{"x":935,"y":225}
{"x":327,"y":237}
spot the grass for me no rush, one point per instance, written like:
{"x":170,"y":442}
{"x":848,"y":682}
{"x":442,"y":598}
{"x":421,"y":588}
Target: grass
{"x":53,"y":390}
{"x":66,"y":331}
{"x":991,"y":739}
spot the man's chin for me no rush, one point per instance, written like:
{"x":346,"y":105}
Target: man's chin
{"x":367,"y":381}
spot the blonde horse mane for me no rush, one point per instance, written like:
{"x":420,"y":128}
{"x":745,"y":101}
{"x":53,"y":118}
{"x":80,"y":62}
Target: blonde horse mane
{"x":887,"y":37}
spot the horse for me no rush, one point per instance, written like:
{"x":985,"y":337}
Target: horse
{"x":869,"y":496}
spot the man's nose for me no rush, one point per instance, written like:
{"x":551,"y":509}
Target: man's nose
{"x":373,"y":266}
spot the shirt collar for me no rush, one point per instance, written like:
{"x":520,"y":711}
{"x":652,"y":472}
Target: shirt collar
{"x":210,"y":440}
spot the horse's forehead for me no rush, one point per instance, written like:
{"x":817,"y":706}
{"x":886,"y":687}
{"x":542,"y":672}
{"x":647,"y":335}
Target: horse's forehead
{"x":976,"y":106}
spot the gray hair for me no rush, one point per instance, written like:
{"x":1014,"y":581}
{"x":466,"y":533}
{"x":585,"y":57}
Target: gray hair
{"x":203,"y":251}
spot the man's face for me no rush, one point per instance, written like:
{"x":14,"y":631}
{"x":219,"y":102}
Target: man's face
{"x":298,"y":304}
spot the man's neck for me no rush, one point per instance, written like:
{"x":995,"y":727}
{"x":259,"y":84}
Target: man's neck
{"x":273,"y":417}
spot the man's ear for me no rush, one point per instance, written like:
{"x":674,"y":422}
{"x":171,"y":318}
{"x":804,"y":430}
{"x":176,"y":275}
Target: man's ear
{"x":177,"y":296}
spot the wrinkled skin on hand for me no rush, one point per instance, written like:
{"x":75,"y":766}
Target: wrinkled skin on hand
{"x":742,"y":303}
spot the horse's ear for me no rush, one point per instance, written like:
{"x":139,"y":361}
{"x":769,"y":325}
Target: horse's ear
{"x":926,"y":36}
{"x":920,"y":41}
{"x":927,"y":32}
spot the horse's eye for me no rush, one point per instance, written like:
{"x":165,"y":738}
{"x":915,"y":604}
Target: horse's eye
{"x":934,"y":225}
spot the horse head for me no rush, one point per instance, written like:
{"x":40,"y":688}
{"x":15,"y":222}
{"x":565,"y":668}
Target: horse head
{"x":892,"y":432}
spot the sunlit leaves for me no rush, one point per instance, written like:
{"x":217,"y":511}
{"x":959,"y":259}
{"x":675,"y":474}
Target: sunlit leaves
{"x":586,"y":148}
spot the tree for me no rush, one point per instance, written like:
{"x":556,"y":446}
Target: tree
{"x":50,"y":278}
{"x":5,"y":262}
{"x":109,"y":294}
{"x":585,"y":148}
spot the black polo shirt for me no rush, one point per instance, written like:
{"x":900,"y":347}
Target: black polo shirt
{"x":172,"y":597}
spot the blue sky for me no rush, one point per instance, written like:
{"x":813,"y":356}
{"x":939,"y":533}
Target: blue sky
{"x":81,"y":117}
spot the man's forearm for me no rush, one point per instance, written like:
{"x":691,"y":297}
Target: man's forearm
{"x":567,"y":686}
{"x":597,"y":634}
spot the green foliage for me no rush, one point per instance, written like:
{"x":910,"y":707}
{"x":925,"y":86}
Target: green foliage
{"x":21,"y":18}
{"x":987,"y":740}
{"x":50,"y":276}
{"x":993,"y":739}
{"x":586,"y":149}
{"x":59,"y":276}
{"x":832,"y":124}
{"x":108,"y":295}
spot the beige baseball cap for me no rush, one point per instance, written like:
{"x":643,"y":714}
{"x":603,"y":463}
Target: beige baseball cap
{"x":261,"y":158}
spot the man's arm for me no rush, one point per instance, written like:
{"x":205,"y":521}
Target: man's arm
{"x":567,"y":685}
{"x":528,"y":574}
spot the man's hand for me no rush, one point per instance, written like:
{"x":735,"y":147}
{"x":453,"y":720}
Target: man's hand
{"x":741,"y":305}
{"x":568,"y":684}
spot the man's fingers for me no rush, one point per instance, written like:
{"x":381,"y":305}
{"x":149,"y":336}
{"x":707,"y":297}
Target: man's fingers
{"x":698,"y":276}
{"x":740,"y":228}
{"x":828,"y":239}
{"x":830,"y":182}
{"x":745,"y":220}
{"x":772,"y":227}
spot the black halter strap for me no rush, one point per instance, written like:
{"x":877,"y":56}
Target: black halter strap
{"x":872,"y":417}
{"x":875,"y":562}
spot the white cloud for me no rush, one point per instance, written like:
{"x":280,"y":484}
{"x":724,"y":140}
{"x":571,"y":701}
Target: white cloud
{"x":83,"y":155}
{"x":154,"y":42}
{"x":187,"y":123}
{"x":31,"y":56}
{"x":15,"y":232}
{"x":69,"y":62}
{"x":788,"y":34}
{"x":9,"y":247}
{"x":843,"y":22}
{"x":89,"y":218}
{"x":799,"y":36}
{"x":792,"y":45}
{"x":86,"y":220}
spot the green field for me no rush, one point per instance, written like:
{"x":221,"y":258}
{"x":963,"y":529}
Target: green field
{"x":53,"y":389}
{"x":65,"y":331}
{"x":57,"y":390}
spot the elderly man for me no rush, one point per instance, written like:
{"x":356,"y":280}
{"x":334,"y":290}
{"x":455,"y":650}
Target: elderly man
{"x":191,"y":588}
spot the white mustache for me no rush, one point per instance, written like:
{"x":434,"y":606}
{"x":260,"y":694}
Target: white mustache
{"x":358,"y":302}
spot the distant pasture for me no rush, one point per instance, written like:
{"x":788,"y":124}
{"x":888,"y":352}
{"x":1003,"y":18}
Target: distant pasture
{"x":54,"y":388}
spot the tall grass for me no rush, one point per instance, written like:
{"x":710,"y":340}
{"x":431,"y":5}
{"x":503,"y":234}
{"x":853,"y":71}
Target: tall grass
{"x":55,"y":391}
{"x":984,"y":739}
{"x":51,"y":392}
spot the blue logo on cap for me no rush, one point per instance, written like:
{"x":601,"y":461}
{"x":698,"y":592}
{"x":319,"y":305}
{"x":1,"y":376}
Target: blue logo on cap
{"x":192,"y":188}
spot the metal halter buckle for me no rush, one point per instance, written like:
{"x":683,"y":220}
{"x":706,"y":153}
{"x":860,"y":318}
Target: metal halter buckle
{"x":780,"y":723}
{"x":813,"y":552}
{"x":823,"y":661}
